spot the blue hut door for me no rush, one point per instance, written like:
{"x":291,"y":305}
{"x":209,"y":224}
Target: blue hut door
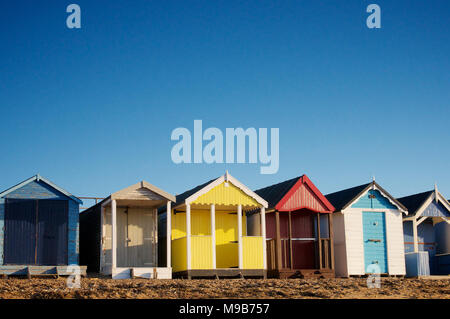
{"x":36,"y":232}
{"x":52,"y":232}
{"x":20,"y":232}
{"x":374,"y":235}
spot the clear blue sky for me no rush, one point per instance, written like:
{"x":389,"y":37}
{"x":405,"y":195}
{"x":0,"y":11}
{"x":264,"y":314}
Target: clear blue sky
{"x":93,"y":109}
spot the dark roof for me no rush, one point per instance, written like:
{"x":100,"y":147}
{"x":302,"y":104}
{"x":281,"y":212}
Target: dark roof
{"x":341,"y":198}
{"x":274,"y":193}
{"x":413,"y":202}
{"x":182,"y":197}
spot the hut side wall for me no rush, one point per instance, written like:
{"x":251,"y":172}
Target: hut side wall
{"x":162,"y":240}
{"x":90,"y":238}
{"x":354,"y":244}
{"x":340,"y":252}
{"x":442,"y":237}
{"x":73,"y":233}
{"x":2,"y":224}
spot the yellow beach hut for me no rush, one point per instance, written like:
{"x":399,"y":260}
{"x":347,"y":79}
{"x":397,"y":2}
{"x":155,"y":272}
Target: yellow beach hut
{"x":210,"y":233}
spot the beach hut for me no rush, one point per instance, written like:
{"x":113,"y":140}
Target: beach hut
{"x":427,"y":234}
{"x":299,"y":229}
{"x":209,"y":231}
{"x":39,"y":229}
{"x":368,"y":231}
{"x":119,"y":235}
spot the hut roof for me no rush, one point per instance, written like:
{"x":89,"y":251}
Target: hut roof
{"x":342,"y":199}
{"x":39,"y":178}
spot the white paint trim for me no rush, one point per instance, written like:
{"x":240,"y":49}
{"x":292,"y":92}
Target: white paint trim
{"x":385,"y":195}
{"x":106,"y":202}
{"x":114,"y":234}
{"x":204,"y":190}
{"x":169,"y":234}
{"x":102,"y":240}
{"x":443,"y":201}
{"x":188,"y":236}
{"x":424,"y":206}
{"x":263,"y":234}
{"x":239,"y":216}
{"x":246,"y":190}
{"x":213,"y":235}
{"x":227,"y":177}
{"x":415,"y":239}
{"x":147,"y":185}
{"x":421,"y":220}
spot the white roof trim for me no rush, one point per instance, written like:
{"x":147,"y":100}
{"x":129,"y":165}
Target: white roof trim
{"x":374,"y":186}
{"x":144,"y":184}
{"x":38,"y":178}
{"x":433,"y":196}
{"x":226,"y":177}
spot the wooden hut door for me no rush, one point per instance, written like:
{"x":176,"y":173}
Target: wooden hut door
{"x":36,"y":232}
{"x":227,"y":255}
{"x":375,"y":249}
{"x":20,"y":232}
{"x":303,"y":240}
{"x":122,"y":237}
{"x":142,"y":237}
{"x":52,"y":232}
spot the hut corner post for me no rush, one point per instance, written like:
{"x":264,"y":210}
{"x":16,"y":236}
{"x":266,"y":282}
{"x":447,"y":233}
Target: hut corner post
{"x":213,"y":235}
{"x":169,"y":234}
{"x":188,"y":237}
{"x":263,"y":233}
{"x":239,"y":216}
{"x":416,"y":241}
{"x":278,"y":263}
{"x":331,"y":235}
{"x":114,"y":234}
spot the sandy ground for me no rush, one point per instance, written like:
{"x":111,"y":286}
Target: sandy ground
{"x":232,"y":288}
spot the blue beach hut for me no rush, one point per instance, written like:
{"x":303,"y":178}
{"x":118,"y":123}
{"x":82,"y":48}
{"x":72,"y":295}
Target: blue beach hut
{"x":427,"y":234}
{"x":39,"y":228}
{"x":368,"y":231}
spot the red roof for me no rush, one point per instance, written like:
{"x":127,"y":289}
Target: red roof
{"x":304,"y":195}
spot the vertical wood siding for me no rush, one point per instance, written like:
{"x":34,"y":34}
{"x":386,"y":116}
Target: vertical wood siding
{"x":226,"y":240}
{"x":226,"y":195}
{"x":179,"y":254}
{"x":374,"y":227}
{"x":41,"y":191}
{"x":436,"y":210}
{"x":395,"y":243}
{"x":373,"y":199}
{"x":340,"y":252}
{"x":201,"y":252}
{"x":303,"y":197}
{"x":354,"y":242}
{"x":252,"y":252}
{"x":2,"y":227}
{"x":74,"y":233}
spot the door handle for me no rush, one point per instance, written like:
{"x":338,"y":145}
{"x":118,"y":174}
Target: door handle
{"x":234,"y":242}
{"x":374,"y":240}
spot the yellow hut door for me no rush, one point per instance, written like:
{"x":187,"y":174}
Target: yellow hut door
{"x":227,"y":240}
